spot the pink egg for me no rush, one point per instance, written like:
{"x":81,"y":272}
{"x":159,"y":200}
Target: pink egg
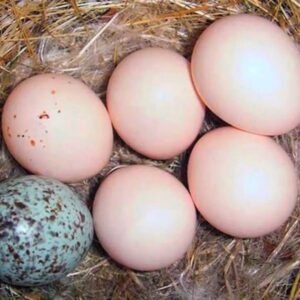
{"x":243,"y":184}
{"x":247,"y":71}
{"x":153,"y":104}
{"x":144,"y":217}
{"x":54,"y":125}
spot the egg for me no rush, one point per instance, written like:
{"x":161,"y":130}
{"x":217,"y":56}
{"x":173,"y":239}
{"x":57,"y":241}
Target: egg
{"x":45,"y":230}
{"x":247,"y":71}
{"x":153,"y":104}
{"x":144,"y":217}
{"x":56,"y":126}
{"x":243,"y":184}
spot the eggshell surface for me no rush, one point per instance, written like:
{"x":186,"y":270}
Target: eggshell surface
{"x":54,"y":125}
{"x":247,"y":71}
{"x":243,"y":184}
{"x":153,"y":104}
{"x":144,"y":217}
{"x":45,"y":230}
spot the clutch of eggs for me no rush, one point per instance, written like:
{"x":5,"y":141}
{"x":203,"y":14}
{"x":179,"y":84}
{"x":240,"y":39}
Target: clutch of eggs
{"x":45,"y":230}
{"x":244,"y":68}
{"x":56,"y":126}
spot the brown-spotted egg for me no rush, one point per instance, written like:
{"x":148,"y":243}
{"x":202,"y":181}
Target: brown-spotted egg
{"x":56,"y":126}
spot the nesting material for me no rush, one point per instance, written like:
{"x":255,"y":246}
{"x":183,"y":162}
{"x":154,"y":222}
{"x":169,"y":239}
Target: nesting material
{"x":86,"y":39}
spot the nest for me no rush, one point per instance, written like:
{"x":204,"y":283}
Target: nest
{"x":86,"y":39}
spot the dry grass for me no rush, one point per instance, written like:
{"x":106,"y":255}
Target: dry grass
{"x":86,"y":39}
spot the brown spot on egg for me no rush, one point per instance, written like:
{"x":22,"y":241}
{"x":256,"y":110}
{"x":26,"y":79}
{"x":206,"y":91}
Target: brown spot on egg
{"x":46,"y":198}
{"x":36,"y":235}
{"x":52,"y":218}
{"x":10,"y":248}
{"x":77,"y":245}
{"x":32,"y":143}
{"x":15,"y":116}
{"x":59,"y":206}
{"x":30,"y":221}
{"x":49,"y":191}
{"x":8,"y":131}
{"x":82,"y":217}
{"x":59,"y":111}
{"x":44,"y":116}
{"x":53,"y":234}
{"x":20,"y":205}
{"x":53,"y":92}
{"x":16,"y":256}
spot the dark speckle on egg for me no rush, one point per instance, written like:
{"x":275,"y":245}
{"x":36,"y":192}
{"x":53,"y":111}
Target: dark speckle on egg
{"x":44,"y":116}
{"x":45,"y":230}
{"x":52,"y":218}
{"x":20,"y":205}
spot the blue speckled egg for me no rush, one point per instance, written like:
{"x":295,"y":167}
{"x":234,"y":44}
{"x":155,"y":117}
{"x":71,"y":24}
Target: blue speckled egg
{"x":45,"y":230}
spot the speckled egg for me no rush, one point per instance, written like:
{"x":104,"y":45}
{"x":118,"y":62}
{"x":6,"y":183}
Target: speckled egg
{"x":54,"y":125}
{"x":45,"y":230}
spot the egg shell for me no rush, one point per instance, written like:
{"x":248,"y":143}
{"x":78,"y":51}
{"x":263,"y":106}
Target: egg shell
{"x":243,"y":184}
{"x":45,"y":230}
{"x":153,"y":104}
{"x":144,"y":217}
{"x":247,"y":71}
{"x":56,"y":126}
